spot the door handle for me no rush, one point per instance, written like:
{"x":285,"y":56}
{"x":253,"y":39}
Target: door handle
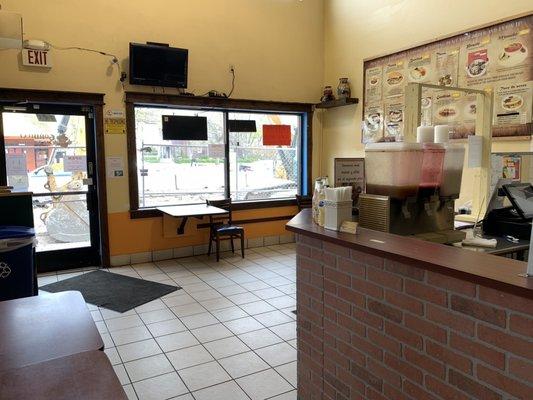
{"x":90,"y":168}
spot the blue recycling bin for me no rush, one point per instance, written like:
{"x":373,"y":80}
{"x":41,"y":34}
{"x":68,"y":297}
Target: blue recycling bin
{"x":17,"y":271}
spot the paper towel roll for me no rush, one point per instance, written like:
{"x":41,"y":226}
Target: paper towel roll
{"x":425,"y":134}
{"x":442,"y":133}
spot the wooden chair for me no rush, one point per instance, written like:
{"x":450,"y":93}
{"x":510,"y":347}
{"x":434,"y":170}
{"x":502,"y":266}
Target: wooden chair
{"x":303,"y":202}
{"x":222,"y":230}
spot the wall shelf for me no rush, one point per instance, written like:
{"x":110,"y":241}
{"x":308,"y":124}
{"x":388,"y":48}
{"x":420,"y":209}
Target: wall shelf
{"x":337,"y":103}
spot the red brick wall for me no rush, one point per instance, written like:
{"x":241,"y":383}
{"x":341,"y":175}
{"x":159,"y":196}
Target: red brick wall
{"x":372,"y":328}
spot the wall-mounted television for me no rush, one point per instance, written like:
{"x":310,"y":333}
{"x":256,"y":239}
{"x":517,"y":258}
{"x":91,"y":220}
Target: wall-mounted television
{"x":158,"y":65}
{"x":184,"y":127}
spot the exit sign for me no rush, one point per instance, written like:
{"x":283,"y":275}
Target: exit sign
{"x":36,"y":58}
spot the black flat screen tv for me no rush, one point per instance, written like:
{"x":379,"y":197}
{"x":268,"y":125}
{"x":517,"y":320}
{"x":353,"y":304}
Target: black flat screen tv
{"x":183,"y":127}
{"x":158,"y":65}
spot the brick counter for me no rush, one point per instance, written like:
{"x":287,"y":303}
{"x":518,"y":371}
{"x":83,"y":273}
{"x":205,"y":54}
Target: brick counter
{"x":376,"y":325}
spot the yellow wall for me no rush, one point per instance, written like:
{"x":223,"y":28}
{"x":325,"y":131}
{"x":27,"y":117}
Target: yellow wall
{"x":275,"y":45}
{"x":356,"y":30}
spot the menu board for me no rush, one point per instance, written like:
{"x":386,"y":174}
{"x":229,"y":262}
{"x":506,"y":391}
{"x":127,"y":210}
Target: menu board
{"x":498,"y":58}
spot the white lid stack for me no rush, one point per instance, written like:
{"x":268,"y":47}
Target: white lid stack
{"x":442,"y":134}
{"x":425,"y":134}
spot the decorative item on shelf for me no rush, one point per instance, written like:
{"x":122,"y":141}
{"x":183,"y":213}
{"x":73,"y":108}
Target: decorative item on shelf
{"x":328,"y":94}
{"x":343,"y":90}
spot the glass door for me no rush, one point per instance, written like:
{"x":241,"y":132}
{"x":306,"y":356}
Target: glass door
{"x":50,"y":150}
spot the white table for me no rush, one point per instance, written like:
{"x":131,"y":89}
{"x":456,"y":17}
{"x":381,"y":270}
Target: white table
{"x":191,"y":210}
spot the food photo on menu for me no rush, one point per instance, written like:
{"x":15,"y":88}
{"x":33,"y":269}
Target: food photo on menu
{"x":512,"y":103}
{"x":394,"y":119}
{"x":373,"y":124}
{"x":446,"y":66}
{"x":419,"y":68}
{"x":373,"y":84}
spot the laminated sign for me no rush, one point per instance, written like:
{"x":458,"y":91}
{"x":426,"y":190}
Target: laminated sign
{"x":276,"y":135}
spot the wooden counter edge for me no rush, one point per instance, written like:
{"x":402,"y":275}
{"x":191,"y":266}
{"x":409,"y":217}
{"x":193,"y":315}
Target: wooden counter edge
{"x":484,"y":269}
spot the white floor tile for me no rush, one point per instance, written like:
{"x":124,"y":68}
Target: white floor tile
{"x":224,"y":391}
{"x":176,"y":341}
{"x":130,"y":321}
{"x":288,"y":371}
{"x":134,"y":351}
{"x":277,"y":354}
{"x":157,"y":316}
{"x":189,"y":357}
{"x":285,"y":331}
{"x":228,"y":314}
{"x":166,"y":327}
{"x":130,"y":335}
{"x":263,"y":385}
{"x":268,"y":293}
{"x":231,"y":290}
{"x":188,"y":309}
{"x":273,"y":318}
{"x":184,"y":397}
{"x":206,"y":295}
{"x":211,"y":332}
{"x":110,"y":314}
{"x":226,"y":347}
{"x":260,"y":338}
{"x":199,"y":320}
{"x":148,"y":367}
{"x":203,"y":375}
{"x":257,"y":307}
{"x":283,"y":302}
{"x":243,"y":298}
{"x":216,"y":304}
{"x":243,"y":325}
{"x":243,"y":364}
{"x":179,"y":300}
{"x":160,"y":387}
{"x":255,"y":285}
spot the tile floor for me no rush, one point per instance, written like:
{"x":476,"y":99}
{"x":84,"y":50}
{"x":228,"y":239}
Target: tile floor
{"x":229,"y":334}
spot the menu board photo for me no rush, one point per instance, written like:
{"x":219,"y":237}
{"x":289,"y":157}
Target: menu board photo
{"x":497,"y":58}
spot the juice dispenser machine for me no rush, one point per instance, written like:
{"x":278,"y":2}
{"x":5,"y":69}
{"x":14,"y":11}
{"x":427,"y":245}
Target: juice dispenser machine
{"x":411,"y":189}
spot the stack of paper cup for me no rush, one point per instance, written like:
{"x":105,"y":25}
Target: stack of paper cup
{"x":425,"y":134}
{"x":442,"y":133}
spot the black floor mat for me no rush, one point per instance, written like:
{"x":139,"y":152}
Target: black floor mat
{"x":112,"y":291}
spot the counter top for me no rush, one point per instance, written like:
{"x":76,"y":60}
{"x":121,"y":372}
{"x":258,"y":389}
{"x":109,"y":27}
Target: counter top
{"x":485,"y":269}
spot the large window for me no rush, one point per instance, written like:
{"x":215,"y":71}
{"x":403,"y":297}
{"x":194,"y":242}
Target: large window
{"x":259,"y":172}
{"x":178,"y":171}
{"x":228,"y":163}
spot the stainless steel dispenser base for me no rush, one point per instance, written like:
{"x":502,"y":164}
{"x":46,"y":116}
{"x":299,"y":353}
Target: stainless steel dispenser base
{"x":430,"y":218}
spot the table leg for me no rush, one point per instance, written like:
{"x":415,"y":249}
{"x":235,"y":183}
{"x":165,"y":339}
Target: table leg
{"x":181,"y":228}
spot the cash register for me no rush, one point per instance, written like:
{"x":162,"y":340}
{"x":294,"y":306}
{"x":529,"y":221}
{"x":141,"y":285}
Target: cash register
{"x":514,"y":220}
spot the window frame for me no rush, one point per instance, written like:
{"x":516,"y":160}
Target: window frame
{"x":225,"y":105}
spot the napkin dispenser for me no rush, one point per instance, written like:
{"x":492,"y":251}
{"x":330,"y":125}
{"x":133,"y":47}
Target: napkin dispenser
{"x":338,"y":207}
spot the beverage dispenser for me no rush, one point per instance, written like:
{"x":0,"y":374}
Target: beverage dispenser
{"x":411,"y":188}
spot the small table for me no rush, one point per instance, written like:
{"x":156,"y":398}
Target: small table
{"x":87,"y":375}
{"x":44,"y":327}
{"x":193,"y":210}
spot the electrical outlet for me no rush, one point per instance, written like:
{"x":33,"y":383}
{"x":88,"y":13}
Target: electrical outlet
{"x":231,"y":68}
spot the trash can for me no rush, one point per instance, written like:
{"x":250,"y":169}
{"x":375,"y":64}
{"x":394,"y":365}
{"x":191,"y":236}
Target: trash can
{"x":17,"y":271}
